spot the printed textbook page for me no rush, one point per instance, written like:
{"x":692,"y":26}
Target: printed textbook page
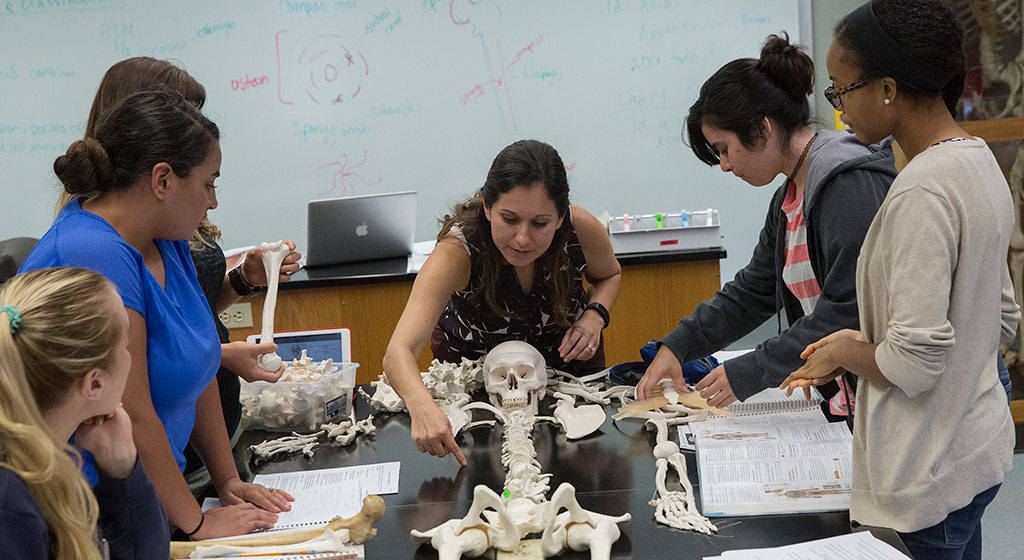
{"x":779,"y":459}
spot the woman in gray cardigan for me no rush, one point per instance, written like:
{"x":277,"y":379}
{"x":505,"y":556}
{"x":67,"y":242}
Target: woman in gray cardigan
{"x":932,"y":437}
{"x":752,"y":118}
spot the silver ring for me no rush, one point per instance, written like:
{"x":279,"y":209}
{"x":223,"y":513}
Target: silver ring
{"x":591,"y":347}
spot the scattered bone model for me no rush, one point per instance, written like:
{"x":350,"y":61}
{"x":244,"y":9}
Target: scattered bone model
{"x":304,"y":369}
{"x":516,"y":378}
{"x":343,"y":432}
{"x":330,"y":538}
{"x":444,"y":380}
{"x":273,"y":256}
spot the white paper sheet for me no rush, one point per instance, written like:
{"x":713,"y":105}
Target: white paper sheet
{"x":855,"y":546}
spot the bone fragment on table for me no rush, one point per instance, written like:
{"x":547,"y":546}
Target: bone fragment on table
{"x":577,"y":421}
{"x":328,"y":541}
{"x":273,"y":256}
{"x":345,"y":432}
{"x":360,"y":529}
{"x":384,"y":398}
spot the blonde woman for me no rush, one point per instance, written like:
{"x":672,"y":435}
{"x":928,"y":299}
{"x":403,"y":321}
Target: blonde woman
{"x":63,"y":365}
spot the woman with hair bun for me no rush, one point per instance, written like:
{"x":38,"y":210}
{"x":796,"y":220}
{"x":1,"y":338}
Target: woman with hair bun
{"x":146,"y":177}
{"x":752,"y":118}
{"x":933,"y":437}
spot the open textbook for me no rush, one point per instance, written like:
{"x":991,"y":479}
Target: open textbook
{"x":773,"y":457}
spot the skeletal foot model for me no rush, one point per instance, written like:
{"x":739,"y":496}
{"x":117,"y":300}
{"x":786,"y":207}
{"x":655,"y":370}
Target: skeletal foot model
{"x":516,"y":378}
{"x":273,"y":256}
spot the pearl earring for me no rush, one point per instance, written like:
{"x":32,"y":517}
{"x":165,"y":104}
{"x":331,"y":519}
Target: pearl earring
{"x":886,"y":101}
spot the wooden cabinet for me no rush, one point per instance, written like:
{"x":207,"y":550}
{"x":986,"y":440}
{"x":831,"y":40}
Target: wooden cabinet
{"x":653,"y":297}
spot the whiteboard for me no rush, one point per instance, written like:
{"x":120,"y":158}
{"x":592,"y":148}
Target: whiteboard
{"x":330,"y":98}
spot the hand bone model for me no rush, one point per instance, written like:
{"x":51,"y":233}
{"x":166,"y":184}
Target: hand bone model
{"x":273,"y":256}
{"x":516,"y":379}
{"x":343,"y":432}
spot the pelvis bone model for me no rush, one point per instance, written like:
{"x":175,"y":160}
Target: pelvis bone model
{"x":515,"y":378}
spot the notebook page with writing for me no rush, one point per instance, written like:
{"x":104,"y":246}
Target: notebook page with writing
{"x":323,"y":494}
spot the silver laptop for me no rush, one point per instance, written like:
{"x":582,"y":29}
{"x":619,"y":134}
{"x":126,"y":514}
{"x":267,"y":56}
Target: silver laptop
{"x":360,"y":228}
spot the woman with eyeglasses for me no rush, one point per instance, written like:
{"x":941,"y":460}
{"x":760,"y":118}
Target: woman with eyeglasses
{"x":752,"y":118}
{"x":933,"y":437}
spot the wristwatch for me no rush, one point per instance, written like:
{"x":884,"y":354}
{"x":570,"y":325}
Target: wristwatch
{"x":239,"y":284}
{"x":601,"y":310}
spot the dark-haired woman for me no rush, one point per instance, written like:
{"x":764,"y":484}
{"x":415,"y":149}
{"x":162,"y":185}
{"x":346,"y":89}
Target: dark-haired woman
{"x":752,"y":118}
{"x":238,"y":359}
{"x":151,"y":167}
{"x":509,"y":265}
{"x":933,"y":437}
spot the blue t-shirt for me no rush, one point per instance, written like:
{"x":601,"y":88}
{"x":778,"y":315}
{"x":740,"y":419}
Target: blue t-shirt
{"x":182,"y":346}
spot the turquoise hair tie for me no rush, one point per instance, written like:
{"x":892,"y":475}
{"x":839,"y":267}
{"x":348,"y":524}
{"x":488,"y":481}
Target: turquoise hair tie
{"x":13,"y":316}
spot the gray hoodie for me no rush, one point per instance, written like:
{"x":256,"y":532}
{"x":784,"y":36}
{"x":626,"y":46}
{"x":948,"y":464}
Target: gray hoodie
{"x":845,"y":184}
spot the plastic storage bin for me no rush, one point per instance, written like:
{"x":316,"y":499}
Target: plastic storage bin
{"x":701,"y":231}
{"x":299,"y":406}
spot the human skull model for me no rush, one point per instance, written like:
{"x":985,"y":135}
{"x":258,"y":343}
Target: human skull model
{"x":515,"y":376}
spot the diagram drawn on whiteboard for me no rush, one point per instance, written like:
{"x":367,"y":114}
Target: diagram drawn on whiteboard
{"x":321,"y":68}
{"x":341,"y":176}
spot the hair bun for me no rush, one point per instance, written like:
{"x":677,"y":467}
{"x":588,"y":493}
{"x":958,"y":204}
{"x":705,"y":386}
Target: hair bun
{"x":84,"y":168}
{"x":787,"y":65}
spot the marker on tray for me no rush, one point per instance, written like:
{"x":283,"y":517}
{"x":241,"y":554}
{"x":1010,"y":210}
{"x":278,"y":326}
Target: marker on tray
{"x":683,"y":215}
{"x":625,"y":222}
{"x":657,"y":216}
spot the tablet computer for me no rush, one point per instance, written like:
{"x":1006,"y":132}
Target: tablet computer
{"x":319,"y":344}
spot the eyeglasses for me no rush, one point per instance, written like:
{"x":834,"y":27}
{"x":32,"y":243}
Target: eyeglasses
{"x":834,"y":95}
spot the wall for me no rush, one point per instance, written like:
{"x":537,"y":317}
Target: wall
{"x":333,"y":98}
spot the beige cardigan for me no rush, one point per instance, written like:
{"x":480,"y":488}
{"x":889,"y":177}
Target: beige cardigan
{"x":935,"y":294}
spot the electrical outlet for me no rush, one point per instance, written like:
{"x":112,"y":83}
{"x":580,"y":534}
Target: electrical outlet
{"x":237,"y":316}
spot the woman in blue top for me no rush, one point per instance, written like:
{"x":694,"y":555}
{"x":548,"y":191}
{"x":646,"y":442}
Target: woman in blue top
{"x":153,"y":161}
